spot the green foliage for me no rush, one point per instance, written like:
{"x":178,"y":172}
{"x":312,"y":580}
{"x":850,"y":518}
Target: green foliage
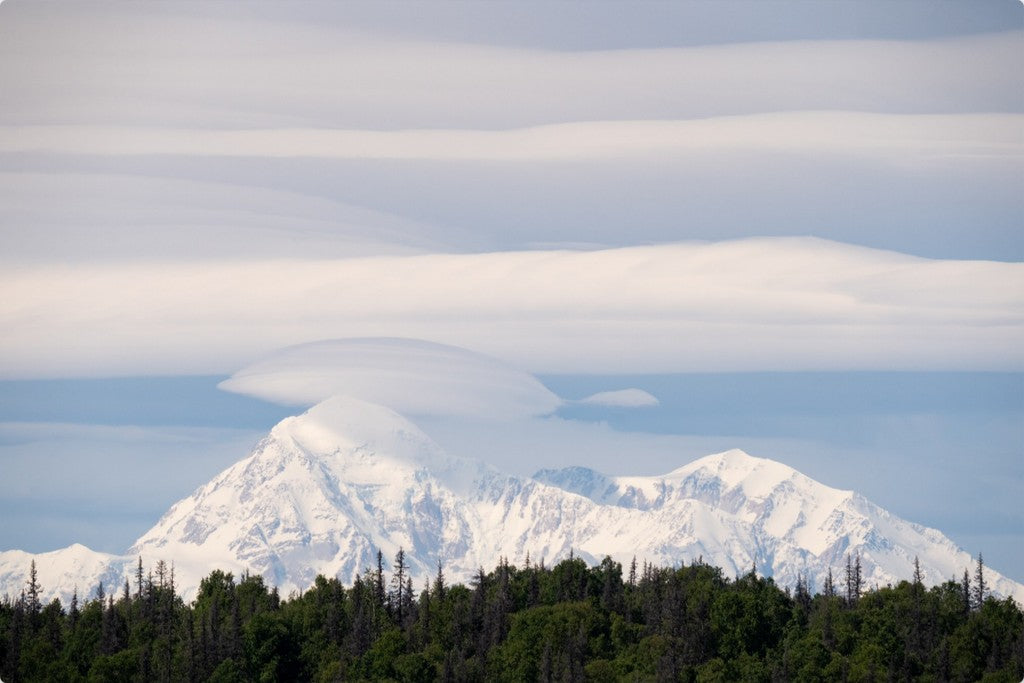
{"x":566,"y":622}
{"x":553,"y":641}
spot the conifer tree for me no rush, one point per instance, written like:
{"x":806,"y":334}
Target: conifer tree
{"x":398,"y":584}
{"x":111,"y":636}
{"x":234,"y":645}
{"x":849,"y":579}
{"x":979,"y":584}
{"x":858,"y":580}
{"x":918,"y":592}
{"x":32,"y":603}
{"x":965,"y":592}
{"x":73,"y":612}
{"x":407,"y":603}
{"x":803,"y":593}
{"x":854,"y":580}
{"x":161,"y":573}
{"x":439,"y":581}
{"x":378,"y":581}
{"x":533,"y":586}
{"x":362,"y":626}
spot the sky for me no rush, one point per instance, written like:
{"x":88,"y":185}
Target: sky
{"x":638,"y":233}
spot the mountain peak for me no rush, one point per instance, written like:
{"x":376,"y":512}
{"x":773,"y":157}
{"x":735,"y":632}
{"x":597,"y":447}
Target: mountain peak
{"x":342,"y":424}
{"x":757,"y":477}
{"x":734,"y":461}
{"x":342,"y":420}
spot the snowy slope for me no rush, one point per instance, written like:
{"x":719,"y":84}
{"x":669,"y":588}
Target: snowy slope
{"x":784,"y":521}
{"x":324,"y":490}
{"x":320,"y":494}
{"x":62,"y":573}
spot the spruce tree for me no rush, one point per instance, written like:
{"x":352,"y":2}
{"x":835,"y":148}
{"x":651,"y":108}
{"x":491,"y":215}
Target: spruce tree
{"x":918,"y":592}
{"x":533,"y":587}
{"x":378,"y":581}
{"x":979,"y":584}
{"x":32,"y":603}
{"x":849,"y":579}
{"x":858,"y":580}
{"x":965,"y":592}
{"x":407,"y":606}
{"x":362,"y":621}
{"x":439,"y":581}
{"x":110,"y":637}
{"x":803,"y":593}
{"x":73,"y":612}
{"x":398,"y":583}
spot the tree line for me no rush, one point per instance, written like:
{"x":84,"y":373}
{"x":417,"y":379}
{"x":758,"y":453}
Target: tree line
{"x":567,"y":622}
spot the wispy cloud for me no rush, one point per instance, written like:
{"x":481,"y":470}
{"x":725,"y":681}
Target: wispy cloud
{"x":287,"y":128}
{"x":889,"y":136}
{"x":109,"y":65}
{"x":104,"y":217}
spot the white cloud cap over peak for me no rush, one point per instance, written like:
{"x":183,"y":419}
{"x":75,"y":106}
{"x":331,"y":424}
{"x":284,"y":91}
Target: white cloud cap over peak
{"x":622,"y":398}
{"x":410,"y":376}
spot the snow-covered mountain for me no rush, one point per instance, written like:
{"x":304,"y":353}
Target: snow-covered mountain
{"x":739,"y":510}
{"x":325,"y":490}
{"x":62,"y":573}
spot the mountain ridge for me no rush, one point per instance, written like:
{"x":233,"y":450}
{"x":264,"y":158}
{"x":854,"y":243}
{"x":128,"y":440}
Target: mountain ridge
{"x":325,"y":490}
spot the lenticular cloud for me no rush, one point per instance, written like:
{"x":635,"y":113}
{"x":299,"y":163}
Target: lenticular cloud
{"x":623,"y":398}
{"x":410,"y":376}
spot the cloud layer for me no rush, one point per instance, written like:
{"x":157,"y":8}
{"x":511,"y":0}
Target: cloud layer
{"x":757,"y":304}
{"x":241,"y":71}
{"x":342,"y":130}
{"x":412,"y":377}
{"x":888,"y":137}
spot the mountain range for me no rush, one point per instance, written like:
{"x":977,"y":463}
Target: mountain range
{"x":324,"y":491}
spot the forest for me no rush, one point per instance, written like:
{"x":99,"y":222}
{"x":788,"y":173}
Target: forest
{"x":566,"y":622}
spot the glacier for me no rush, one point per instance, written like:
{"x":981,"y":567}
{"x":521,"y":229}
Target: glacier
{"x":326,"y":490}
